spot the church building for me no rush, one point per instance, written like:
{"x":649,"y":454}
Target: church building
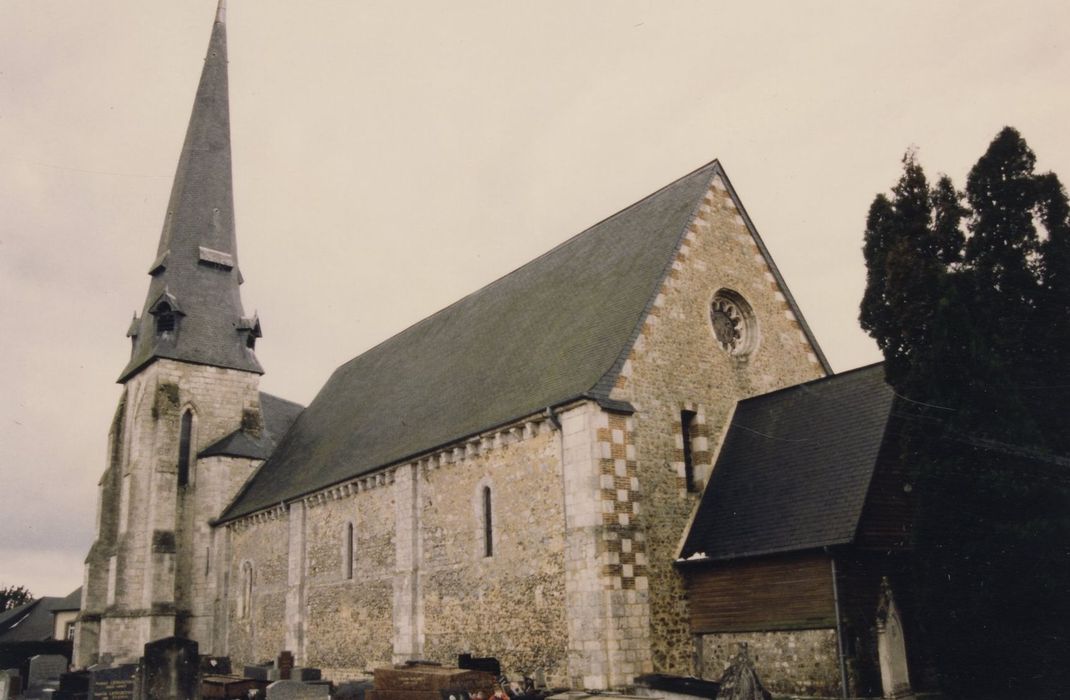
{"x":514,"y":476}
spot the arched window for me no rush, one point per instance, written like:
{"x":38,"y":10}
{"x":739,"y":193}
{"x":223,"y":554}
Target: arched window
{"x":165,"y":318}
{"x":347,"y":551}
{"x":184,"y":438}
{"x":245,"y":600}
{"x":488,"y":524}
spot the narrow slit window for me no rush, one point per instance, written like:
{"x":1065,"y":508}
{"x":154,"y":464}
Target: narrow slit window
{"x":347,"y":552}
{"x":245,"y":601}
{"x":488,"y":525}
{"x":185,"y":435}
{"x":687,"y":420}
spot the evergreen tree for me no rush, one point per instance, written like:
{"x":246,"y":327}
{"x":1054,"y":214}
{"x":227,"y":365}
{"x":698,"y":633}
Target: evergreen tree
{"x":971,"y":308}
{"x":14,"y":596}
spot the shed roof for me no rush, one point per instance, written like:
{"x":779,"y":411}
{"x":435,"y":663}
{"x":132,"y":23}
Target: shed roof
{"x":795,"y":468}
{"x":277,"y":414}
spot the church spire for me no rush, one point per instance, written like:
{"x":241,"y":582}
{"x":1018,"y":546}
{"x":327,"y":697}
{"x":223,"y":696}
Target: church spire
{"x":193,"y":311}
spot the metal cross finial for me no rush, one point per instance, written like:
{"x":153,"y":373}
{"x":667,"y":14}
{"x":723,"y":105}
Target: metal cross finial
{"x":221,"y":12}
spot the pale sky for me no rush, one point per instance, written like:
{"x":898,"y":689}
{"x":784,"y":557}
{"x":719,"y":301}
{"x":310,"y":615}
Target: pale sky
{"x":391,"y":157}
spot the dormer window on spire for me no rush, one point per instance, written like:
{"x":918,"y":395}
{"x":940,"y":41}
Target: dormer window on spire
{"x":166,"y":313}
{"x":250,"y":330}
{"x":165,"y":319}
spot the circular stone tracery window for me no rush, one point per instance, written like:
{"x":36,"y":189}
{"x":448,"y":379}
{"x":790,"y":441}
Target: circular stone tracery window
{"x":734,"y":324}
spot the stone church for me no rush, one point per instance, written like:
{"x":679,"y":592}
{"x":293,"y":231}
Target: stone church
{"x":511,"y":477}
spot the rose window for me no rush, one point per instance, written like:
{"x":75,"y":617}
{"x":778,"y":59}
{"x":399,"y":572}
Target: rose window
{"x":733,"y":323}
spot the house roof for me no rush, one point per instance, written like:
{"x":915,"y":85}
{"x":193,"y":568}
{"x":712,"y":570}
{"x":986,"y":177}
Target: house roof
{"x":196,"y":267}
{"x":795,"y":468}
{"x":33,"y":621}
{"x":277,"y":414}
{"x":555,"y":330}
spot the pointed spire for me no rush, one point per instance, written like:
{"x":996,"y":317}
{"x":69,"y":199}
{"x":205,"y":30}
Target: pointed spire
{"x":193,"y":309}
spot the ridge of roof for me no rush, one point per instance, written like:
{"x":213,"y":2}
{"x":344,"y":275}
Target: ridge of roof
{"x":538,"y":258}
{"x":544,"y":334}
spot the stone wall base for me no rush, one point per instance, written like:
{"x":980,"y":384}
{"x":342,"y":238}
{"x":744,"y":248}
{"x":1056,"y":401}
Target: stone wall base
{"x":791,"y":662}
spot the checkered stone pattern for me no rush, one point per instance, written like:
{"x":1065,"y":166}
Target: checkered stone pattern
{"x":701,"y":455}
{"x":623,"y":546}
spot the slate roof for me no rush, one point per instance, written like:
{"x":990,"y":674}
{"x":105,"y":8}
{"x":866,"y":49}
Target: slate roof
{"x":557,"y":329}
{"x":196,"y":266}
{"x":278,"y":415}
{"x":33,"y":621}
{"x":795,"y":468}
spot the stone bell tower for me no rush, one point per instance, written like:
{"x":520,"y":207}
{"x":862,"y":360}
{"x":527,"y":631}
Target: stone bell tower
{"x":192,"y":379}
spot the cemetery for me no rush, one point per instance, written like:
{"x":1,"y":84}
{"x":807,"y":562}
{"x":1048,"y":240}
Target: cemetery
{"x":173,"y":669}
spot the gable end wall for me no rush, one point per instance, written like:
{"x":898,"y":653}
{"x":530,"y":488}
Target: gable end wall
{"x":676,"y":364}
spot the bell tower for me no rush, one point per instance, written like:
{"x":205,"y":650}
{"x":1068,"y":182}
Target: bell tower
{"x":191,"y":380}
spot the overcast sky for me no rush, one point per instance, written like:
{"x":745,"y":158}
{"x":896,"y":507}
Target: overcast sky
{"x":390,"y":157}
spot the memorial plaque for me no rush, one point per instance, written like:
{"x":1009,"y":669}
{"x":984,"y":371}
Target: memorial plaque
{"x":116,"y":683}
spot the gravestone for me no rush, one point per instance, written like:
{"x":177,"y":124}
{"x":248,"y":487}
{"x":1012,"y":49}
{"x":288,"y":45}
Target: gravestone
{"x":44,"y":669}
{"x":352,"y":690}
{"x":480,"y":663}
{"x":73,"y":686}
{"x":285,"y":664}
{"x":261,"y":673}
{"x":303,"y":673}
{"x":14,"y":682}
{"x":115,"y":683}
{"x":170,"y":670}
{"x":215,"y":665}
{"x":296,"y":690}
{"x":228,"y":687}
{"x":5,"y":685}
{"x":420,"y":682}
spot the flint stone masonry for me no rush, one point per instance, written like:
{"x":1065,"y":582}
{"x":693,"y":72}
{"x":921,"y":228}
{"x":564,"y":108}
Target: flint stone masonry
{"x":798,"y":662}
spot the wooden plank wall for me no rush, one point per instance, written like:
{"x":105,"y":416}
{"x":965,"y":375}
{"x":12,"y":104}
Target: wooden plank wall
{"x":789,"y":591}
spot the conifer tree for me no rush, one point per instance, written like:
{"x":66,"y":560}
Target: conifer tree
{"x":971,"y":308}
